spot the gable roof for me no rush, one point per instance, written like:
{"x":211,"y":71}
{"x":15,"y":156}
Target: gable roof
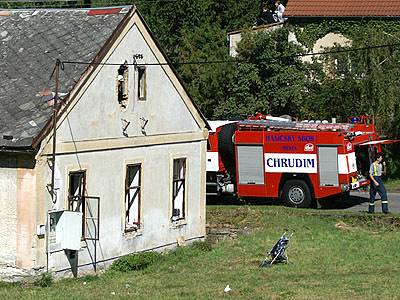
{"x":71,"y":35}
{"x":133,"y":17}
{"x":342,"y":8}
{"x":30,"y":43}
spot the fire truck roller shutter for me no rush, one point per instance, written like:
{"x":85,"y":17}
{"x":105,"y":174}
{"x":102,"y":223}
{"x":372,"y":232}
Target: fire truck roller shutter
{"x":328,"y":166}
{"x":296,"y":193}
{"x":226,"y":147}
{"x":250,"y":164}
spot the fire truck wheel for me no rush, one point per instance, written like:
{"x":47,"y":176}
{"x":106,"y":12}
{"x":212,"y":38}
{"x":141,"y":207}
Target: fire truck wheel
{"x":296,"y":193}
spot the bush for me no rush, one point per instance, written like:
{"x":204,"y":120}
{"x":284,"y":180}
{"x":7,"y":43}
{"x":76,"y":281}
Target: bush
{"x":135,"y":262}
{"x":89,"y":278}
{"x":203,"y":246}
{"x":44,"y":280}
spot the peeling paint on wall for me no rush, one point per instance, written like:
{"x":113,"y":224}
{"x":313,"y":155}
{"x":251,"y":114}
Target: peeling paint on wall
{"x":26,"y":195}
{"x":8,"y":216}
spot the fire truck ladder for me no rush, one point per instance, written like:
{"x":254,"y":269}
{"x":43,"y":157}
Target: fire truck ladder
{"x":273,"y":124}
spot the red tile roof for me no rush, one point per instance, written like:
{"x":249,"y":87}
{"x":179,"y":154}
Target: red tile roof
{"x":342,"y":8}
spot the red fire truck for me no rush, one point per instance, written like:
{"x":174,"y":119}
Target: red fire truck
{"x":299,"y":162}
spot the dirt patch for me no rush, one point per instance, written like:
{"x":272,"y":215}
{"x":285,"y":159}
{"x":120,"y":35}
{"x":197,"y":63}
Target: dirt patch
{"x":226,"y":231}
{"x":343,"y":226}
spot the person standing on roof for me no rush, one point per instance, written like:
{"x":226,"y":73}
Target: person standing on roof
{"x":377,"y":169}
{"x":279,"y":10}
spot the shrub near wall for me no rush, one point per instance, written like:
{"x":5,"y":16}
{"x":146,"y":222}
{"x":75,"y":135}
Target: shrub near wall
{"x":135,"y":262}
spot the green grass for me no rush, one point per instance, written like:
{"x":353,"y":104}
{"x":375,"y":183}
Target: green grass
{"x":356,"y":260}
{"x":393,"y":185}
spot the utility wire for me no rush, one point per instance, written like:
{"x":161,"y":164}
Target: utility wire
{"x":93,"y":1}
{"x":15,"y":4}
{"x":74,"y":4}
{"x":240,"y":60}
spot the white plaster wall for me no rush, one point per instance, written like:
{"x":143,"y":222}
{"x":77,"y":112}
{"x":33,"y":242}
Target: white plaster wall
{"x":105,"y":178}
{"x":98,"y":115}
{"x":328,"y":41}
{"x":26,"y":201}
{"x":8,"y":215}
{"x":234,"y":40}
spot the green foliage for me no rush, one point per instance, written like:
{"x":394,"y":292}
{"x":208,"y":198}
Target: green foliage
{"x":307,"y":34}
{"x":393,"y":165}
{"x":274,"y":81}
{"x":392,"y":185}
{"x":44,"y":280}
{"x":172,"y":21}
{"x":5,"y":285}
{"x":135,"y":262}
{"x":89,"y":278}
{"x":205,"y":81}
{"x":202,"y":246}
{"x":361,"y":82}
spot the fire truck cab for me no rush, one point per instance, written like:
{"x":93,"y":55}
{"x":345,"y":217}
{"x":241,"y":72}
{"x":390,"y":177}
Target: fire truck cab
{"x":299,"y":162}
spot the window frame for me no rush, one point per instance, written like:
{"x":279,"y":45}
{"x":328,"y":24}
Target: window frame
{"x":175,"y":193}
{"x":123,"y":86}
{"x":141,"y":85}
{"x":70,"y":204}
{"x":126,"y":195}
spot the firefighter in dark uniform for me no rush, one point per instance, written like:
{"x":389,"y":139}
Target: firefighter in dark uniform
{"x":377,"y":169}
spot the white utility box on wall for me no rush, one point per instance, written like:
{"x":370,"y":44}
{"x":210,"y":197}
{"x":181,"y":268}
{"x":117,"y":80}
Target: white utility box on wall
{"x":65,"y":230}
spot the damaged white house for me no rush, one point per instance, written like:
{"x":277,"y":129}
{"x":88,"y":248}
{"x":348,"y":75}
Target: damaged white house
{"x":130,"y":151}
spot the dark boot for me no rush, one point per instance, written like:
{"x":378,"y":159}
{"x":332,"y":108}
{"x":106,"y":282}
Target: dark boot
{"x":371,"y":207}
{"x":385,"y":206}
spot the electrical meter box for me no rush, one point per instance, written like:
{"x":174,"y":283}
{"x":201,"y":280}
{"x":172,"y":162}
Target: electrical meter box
{"x":65,"y":230}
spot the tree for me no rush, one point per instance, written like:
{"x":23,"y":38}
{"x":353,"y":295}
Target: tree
{"x":273,"y":78}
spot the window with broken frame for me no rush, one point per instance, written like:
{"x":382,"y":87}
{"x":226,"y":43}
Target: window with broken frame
{"x":178,"y":189}
{"x":76,"y":194}
{"x":133,"y":197}
{"x":122,"y":85}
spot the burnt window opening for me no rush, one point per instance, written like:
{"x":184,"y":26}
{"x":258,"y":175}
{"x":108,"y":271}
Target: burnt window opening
{"x":178,"y":189}
{"x":142,"y":89}
{"x":122,"y":85}
{"x":76,"y":194}
{"x":132,"y":197}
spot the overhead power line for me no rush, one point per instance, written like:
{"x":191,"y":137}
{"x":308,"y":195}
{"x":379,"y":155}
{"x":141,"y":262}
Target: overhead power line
{"x":53,"y":4}
{"x":94,"y":1}
{"x":236,"y":61}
